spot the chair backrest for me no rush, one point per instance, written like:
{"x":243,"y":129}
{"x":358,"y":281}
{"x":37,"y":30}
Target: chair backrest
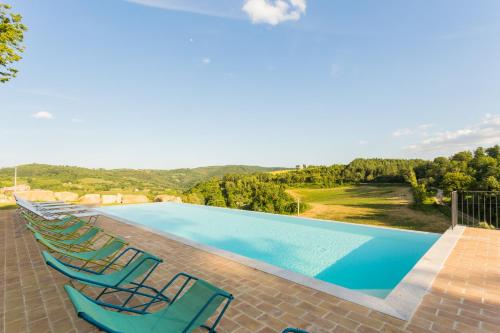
{"x":193,"y":301}
{"x":108,"y":249}
{"x":73,"y":228}
{"x":58,"y":223}
{"x":87,"y":236}
{"x":141,"y":264}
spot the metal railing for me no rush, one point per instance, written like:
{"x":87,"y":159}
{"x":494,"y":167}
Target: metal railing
{"x":475,"y":209}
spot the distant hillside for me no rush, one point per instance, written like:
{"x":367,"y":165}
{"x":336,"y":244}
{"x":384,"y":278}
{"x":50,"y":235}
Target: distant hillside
{"x":84,"y":180}
{"x":267,"y":192}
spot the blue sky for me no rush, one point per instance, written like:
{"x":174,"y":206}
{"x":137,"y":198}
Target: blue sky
{"x":171,"y":83}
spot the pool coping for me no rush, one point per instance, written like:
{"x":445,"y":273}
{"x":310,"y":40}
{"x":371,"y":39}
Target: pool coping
{"x":401,"y":302}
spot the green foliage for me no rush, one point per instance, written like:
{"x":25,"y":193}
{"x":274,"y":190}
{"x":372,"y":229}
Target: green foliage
{"x":486,"y":225}
{"x":379,"y":170}
{"x":419,"y":193}
{"x":456,"y":180}
{"x":313,"y":176}
{"x":11,"y":39}
{"x":250,"y":192}
{"x":492,"y":183}
{"x":464,"y":171}
{"x":419,"y":190}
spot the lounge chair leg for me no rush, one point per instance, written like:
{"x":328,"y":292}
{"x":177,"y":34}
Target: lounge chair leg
{"x":101,"y":293}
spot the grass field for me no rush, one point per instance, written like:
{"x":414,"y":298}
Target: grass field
{"x":384,"y":205}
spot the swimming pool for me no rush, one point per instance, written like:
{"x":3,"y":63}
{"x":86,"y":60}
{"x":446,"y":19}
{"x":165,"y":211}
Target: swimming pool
{"x":367,"y":259}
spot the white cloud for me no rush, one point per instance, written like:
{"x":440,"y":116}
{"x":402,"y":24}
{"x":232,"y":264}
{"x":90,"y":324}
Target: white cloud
{"x":259,"y":11}
{"x":418,"y":130}
{"x":402,"y":132}
{"x":363,"y":142}
{"x":206,"y":60}
{"x":274,"y":11}
{"x":485,"y":133}
{"x":217,"y":8}
{"x":43,"y":115}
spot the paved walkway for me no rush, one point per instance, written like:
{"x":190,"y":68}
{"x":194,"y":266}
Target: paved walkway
{"x":465,"y":296}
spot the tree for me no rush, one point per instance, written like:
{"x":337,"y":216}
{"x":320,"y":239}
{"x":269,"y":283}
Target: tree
{"x":493,"y":151}
{"x":11,"y":42}
{"x":454,"y":181}
{"x":463,"y":156}
{"x":492,"y":183}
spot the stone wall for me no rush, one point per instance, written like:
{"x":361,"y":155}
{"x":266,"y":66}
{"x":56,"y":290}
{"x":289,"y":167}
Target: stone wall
{"x":90,"y":199}
{"x":66,"y":196}
{"x":37,"y":195}
{"x":107,"y":199}
{"x":134,"y":198}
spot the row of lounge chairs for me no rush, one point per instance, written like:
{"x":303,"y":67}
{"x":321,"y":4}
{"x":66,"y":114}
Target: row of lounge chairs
{"x":121,"y":297}
{"x":55,"y":210}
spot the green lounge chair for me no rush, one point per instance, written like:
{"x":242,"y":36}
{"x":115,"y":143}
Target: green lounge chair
{"x":184,"y":313}
{"x":70,"y":232}
{"x":140,"y":264}
{"x":99,"y":257}
{"x":42,"y":223}
{"x":89,"y":236}
{"x":293,"y":330}
{"x":40,"y":220}
{"x":84,"y":241}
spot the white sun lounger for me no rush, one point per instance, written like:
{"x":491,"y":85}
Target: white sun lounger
{"x":48,"y":203}
{"x":63,"y":210}
{"x":91,"y":214}
{"x":80,"y":212}
{"x":51,"y":208}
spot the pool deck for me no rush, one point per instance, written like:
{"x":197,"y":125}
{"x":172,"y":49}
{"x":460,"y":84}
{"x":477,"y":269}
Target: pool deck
{"x":465,"y":296}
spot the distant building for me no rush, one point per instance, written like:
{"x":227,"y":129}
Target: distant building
{"x":300,"y":166}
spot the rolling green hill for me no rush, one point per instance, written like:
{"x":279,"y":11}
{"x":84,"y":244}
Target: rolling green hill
{"x":84,"y":180}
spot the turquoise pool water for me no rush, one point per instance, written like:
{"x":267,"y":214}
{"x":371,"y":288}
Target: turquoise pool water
{"x":367,"y":259}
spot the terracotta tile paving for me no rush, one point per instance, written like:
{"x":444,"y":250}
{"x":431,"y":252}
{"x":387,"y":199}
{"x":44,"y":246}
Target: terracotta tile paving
{"x":465,"y":296}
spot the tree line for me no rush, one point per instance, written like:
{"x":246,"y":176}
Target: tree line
{"x":466,"y":170}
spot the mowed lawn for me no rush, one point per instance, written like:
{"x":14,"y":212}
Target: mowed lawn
{"x":384,"y":205}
